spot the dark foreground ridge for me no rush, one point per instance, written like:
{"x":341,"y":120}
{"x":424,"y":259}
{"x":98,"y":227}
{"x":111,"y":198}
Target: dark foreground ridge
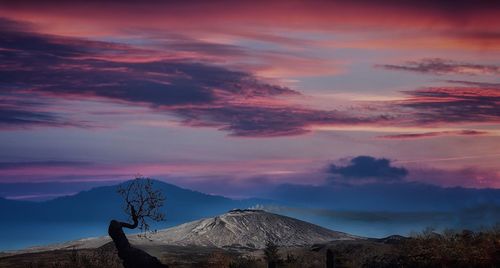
{"x":426,"y":249}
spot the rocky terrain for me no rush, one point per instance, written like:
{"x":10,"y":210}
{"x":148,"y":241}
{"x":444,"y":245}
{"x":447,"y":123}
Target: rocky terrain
{"x":247,"y":228}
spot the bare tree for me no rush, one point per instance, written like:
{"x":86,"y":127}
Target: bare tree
{"x":142,"y":203}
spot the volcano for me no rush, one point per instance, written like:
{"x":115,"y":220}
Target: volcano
{"x":246,"y":228}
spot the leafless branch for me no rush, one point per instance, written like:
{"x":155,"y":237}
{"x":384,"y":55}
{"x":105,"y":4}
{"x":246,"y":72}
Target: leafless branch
{"x":142,"y":203}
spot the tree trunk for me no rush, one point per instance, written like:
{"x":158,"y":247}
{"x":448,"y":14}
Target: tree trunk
{"x":330,"y":259}
{"x":131,"y":257}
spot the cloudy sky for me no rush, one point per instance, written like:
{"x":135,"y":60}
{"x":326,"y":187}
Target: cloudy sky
{"x":228,"y":96}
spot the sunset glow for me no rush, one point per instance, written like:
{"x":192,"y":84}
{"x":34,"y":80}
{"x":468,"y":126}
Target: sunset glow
{"x":248,"y":92}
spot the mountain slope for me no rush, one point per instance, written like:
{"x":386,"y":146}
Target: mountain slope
{"x":246,"y":228}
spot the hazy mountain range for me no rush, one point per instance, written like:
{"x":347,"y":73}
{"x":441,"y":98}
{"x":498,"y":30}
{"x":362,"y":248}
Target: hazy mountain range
{"x":88,"y":213}
{"x":376,"y":210}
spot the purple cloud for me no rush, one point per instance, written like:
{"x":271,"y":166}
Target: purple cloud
{"x":453,"y":105}
{"x":31,"y":164}
{"x":366,"y":168}
{"x":441,"y":66}
{"x":267,"y":121}
{"x":200,"y":94}
{"x":433,"y":134}
{"x":475,"y":84}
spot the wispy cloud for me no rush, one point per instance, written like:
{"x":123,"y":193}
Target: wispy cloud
{"x":13,"y":118}
{"x":434,"y":134}
{"x":441,"y":66}
{"x":453,"y":105}
{"x":31,"y":164}
{"x":200,"y":94}
{"x":269,"y":121}
{"x":475,"y":83}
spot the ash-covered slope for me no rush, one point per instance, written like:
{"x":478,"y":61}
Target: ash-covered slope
{"x":247,"y":228}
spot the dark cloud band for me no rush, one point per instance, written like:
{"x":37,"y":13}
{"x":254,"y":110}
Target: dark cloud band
{"x":441,"y":66}
{"x":433,"y":134}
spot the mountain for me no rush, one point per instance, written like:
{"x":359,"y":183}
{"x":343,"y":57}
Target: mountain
{"x":247,"y":228}
{"x":238,"y":228}
{"x":103,"y":203}
{"x":374,"y":210}
{"x":88,"y":213}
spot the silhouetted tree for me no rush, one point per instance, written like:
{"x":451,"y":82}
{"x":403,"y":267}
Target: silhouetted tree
{"x":330,"y":259}
{"x":142,"y":202}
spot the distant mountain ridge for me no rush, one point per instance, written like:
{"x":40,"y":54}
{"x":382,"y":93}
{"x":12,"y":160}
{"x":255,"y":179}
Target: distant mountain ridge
{"x":103,"y":203}
{"x":374,"y":210}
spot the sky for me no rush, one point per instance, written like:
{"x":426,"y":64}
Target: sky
{"x":228,"y":97}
